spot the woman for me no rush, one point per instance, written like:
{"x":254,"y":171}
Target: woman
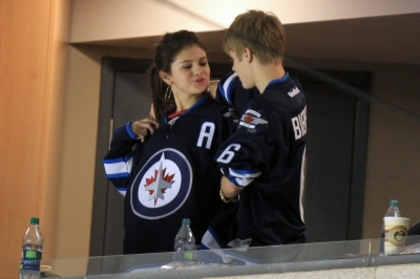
{"x":166,"y":164}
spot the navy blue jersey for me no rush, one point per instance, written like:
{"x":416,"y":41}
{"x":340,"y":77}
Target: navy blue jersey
{"x":230,"y":90}
{"x":266,"y":157}
{"x":171,"y":176}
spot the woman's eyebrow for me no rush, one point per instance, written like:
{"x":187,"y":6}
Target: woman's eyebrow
{"x":189,"y":61}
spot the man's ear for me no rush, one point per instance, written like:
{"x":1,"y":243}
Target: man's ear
{"x":165,"y":77}
{"x":248,"y":55}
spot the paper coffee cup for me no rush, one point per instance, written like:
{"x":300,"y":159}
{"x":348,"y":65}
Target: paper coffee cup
{"x":395,"y":233}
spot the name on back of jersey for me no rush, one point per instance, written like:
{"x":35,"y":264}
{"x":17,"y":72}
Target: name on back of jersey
{"x":299,"y":124}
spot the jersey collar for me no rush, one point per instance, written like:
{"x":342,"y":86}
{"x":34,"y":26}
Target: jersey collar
{"x":279,"y":80}
{"x":176,"y":115}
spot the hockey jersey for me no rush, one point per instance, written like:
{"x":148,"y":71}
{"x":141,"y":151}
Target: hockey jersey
{"x":266,"y":156}
{"x":171,"y":176}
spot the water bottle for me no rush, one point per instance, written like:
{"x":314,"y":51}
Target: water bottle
{"x":31,"y":251}
{"x":393,"y":211}
{"x":185,"y":242}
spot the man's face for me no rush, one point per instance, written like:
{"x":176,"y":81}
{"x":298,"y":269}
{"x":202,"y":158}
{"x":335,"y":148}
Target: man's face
{"x":242,"y":67}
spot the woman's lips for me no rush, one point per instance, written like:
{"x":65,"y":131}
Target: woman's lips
{"x":200,"y":81}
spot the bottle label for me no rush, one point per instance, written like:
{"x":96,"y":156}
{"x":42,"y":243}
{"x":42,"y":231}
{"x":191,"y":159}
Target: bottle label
{"x":31,"y":260}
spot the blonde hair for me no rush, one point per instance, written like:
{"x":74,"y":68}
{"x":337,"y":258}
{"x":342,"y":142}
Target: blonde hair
{"x":261,"y":32}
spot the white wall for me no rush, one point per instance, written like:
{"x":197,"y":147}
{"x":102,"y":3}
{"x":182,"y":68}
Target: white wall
{"x":94,"y":20}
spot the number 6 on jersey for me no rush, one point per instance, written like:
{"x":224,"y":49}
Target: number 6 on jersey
{"x":228,"y":154}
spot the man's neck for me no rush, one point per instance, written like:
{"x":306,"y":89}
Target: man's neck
{"x":265,"y":73}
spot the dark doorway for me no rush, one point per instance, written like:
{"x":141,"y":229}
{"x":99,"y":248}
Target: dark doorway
{"x":336,"y":152}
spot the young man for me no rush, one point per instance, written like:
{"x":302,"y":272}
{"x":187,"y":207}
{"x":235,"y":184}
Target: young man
{"x":263,"y":161}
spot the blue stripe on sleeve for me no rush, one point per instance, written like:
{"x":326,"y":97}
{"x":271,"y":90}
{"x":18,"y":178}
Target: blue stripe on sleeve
{"x":128,"y":129}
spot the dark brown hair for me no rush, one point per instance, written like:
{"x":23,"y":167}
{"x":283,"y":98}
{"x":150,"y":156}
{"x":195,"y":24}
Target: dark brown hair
{"x":166,"y":51}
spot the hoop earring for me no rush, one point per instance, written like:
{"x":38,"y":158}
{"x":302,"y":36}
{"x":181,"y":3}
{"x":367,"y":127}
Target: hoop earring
{"x":168,"y":93}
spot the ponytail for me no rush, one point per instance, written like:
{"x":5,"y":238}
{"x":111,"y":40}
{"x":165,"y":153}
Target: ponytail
{"x":161,"y":106}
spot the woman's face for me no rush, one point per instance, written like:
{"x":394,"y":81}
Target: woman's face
{"x":190,"y":71}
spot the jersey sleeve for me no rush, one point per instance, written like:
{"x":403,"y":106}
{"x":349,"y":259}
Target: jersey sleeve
{"x":247,"y":153}
{"x":230,"y":90}
{"x":225,"y":91}
{"x":118,"y":162}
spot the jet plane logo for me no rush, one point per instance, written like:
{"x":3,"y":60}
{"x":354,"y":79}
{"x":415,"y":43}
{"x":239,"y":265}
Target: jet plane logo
{"x":250,"y":121}
{"x":162,"y":186}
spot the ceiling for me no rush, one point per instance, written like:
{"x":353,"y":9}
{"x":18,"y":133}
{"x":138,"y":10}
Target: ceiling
{"x":392,"y":39}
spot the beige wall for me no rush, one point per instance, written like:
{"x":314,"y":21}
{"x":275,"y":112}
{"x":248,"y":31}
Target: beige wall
{"x":95,"y":20}
{"x":81,"y":109}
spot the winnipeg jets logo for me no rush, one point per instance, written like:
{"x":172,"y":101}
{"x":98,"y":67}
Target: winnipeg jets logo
{"x":157,"y":184}
{"x":162,"y":186}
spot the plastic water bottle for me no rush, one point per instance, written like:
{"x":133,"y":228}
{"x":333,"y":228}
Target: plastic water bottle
{"x":31,"y":251}
{"x":393,"y":211}
{"x":184,"y":242}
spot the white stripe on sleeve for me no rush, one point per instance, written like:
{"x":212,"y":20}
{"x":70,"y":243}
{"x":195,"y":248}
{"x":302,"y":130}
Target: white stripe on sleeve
{"x":243,"y":179}
{"x":119,"y":168}
{"x":226,"y":86}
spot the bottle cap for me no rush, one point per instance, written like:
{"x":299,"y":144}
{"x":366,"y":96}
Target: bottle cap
{"x":186,"y":221}
{"x":394,"y":202}
{"x":34,"y":220}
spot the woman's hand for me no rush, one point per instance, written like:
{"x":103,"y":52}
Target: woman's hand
{"x":141,"y":128}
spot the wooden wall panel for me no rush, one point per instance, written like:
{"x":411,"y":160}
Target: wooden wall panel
{"x":24,"y":42}
{"x":51,"y":146}
{"x":32,"y":61}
